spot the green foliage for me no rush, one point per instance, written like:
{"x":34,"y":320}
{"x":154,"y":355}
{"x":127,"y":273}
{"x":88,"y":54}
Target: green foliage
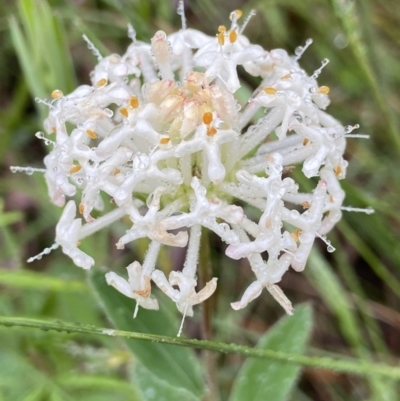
{"x":355,"y":290}
{"x":260,"y":380}
{"x":42,"y":49}
{"x":175,"y":365}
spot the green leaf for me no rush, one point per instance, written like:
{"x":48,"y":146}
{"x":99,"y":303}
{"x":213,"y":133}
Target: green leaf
{"x":153,"y":389}
{"x":260,"y":380}
{"x":40,"y":43}
{"x":170,"y":363}
{"x":39,"y":281}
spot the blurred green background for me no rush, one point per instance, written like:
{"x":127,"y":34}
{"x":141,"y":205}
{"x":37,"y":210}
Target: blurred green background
{"x":354,"y":292}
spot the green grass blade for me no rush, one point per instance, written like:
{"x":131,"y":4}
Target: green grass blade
{"x":39,"y":281}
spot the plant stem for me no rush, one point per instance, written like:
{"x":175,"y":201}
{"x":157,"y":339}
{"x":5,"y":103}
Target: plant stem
{"x":338,"y":364}
{"x":205,"y":275}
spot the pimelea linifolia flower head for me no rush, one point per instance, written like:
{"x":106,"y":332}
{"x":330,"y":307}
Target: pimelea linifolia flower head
{"x":160,"y":133}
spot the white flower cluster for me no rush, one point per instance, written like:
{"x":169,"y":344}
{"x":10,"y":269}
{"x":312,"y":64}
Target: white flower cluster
{"x":160,"y":132}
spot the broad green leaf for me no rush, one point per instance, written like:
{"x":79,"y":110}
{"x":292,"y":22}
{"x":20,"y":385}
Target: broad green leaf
{"x":262,"y":380}
{"x":172,"y":364}
{"x":153,"y":389}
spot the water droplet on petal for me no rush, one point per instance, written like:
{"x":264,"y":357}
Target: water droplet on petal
{"x":298,"y":50}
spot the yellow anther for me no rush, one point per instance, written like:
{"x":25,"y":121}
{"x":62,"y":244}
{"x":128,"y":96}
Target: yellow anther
{"x":134,"y":102}
{"x":53,"y":129}
{"x":222,"y":29}
{"x":270,"y":91}
{"x":211,"y":131}
{"x":235,"y":15}
{"x":337,"y":170}
{"x":124,"y":112}
{"x":102,"y":82}
{"x":164,"y":141}
{"x":221,"y":38}
{"x":91,"y":134}
{"x":324,"y":89}
{"x":207,"y":118}
{"x":75,"y":169}
{"x":305,"y":141}
{"x":56,"y":94}
{"x":117,"y":171}
{"x":331,"y":198}
{"x":287,"y":76}
{"x":296,"y":234}
{"x":306,"y":205}
{"x":233,"y":36}
{"x":238,"y":13}
{"x":81,"y":208}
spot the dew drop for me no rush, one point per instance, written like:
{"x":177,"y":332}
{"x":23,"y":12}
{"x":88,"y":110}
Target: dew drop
{"x":29,"y":171}
{"x":330,"y":249}
{"x":14,"y":169}
{"x":298,"y":50}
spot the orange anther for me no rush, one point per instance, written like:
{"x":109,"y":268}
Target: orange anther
{"x":91,"y":134}
{"x":296,"y":234}
{"x":233,"y":36}
{"x":287,"y":76}
{"x":124,"y":112}
{"x":75,"y":169}
{"x":270,"y":91}
{"x":117,"y":171}
{"x":56,"y":94}
{"x":306,"y":205}
{"x":305,"y":141}
{"x":102,"y":82}
{"x":164,"y":141}
{"x":211,"y":131}
{"x":324,"y":89}
{"x":53,"y":129}
{"x":134,"y":102}
{"x":81,"y":208}
{"x":221,"y":38}
{"x":207,"y":118}
{"x":331,"y":198}
{"x":337,"y":170}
